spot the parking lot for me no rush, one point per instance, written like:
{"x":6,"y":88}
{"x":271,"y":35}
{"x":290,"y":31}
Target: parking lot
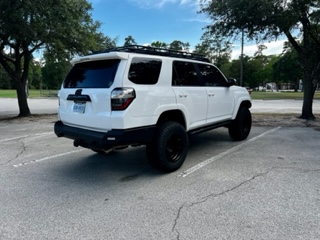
{"x":266,"y":187}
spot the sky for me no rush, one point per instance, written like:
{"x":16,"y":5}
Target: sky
{"x":148,"y":21}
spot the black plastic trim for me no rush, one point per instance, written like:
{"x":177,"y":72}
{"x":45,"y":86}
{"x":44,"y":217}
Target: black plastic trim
{"x":100,"y":140}
{"x":209,"y":127}
{"x":79,"y":98}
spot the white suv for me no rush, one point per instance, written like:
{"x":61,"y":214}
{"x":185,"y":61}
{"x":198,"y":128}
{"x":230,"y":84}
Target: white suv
{"x":139,"y":95}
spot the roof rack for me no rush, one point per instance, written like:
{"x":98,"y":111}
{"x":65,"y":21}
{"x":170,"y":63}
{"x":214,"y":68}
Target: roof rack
{"x":157,"y":51}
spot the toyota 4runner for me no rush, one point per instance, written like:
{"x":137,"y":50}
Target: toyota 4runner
{"x":137,"y":95}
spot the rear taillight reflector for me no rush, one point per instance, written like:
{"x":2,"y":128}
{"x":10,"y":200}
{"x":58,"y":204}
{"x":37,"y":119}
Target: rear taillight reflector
{"x":121,"y":98}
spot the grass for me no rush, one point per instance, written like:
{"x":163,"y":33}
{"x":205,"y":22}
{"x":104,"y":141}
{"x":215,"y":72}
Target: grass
{"x":280,"y":95}
{"x":254,"y":94}
{"x":34,"y":93}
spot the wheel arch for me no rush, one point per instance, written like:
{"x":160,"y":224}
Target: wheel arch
{"x":172,"y":115}
{"x":244,"y":103}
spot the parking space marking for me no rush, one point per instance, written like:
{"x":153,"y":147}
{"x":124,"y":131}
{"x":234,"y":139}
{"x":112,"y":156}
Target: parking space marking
{"x":214,"y":158}
{"x":25,"y":136}
{"x":46,"y":158}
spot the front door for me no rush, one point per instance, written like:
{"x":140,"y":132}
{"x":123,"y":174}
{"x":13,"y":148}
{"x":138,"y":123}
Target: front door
{"x":220,"y":94}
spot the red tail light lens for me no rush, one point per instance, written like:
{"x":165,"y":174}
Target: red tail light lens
{"x":121,"y":98}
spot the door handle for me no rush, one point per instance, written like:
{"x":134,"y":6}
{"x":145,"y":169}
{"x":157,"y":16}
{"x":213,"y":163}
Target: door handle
{"x":183,"y":95}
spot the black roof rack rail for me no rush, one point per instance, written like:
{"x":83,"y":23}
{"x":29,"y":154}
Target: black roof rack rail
{"x":157,"y":51}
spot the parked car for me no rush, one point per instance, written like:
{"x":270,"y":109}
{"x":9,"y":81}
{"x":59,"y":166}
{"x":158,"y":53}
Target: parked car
{"x":137,"y":95}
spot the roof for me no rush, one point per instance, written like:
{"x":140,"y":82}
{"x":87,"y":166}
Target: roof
{"x":156,"y":51}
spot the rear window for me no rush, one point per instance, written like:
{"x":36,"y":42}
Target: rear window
{"x":144,"y":70}
{"x":95,"y":74}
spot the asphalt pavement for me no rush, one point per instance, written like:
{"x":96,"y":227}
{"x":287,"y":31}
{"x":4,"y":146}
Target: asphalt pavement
{"x":9,"y":106}
{"x":266,"y":187}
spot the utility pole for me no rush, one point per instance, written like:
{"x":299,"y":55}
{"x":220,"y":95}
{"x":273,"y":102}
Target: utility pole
{"x":241,"y":58}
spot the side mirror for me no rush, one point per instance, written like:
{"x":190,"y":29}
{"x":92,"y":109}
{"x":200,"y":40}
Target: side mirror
{"x":232,"y":81}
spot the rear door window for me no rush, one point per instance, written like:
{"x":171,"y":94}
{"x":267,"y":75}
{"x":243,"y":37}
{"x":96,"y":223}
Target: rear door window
{"x":144,"y":70}
{"x":184,"y":74}
{"x":94,"y":74}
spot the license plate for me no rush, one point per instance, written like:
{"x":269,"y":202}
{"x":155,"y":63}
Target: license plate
{"x":79,"y":107}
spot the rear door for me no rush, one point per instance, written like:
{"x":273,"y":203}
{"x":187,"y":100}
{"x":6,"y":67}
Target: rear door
{"x":191,"y":96}
{"x":84,"y":98}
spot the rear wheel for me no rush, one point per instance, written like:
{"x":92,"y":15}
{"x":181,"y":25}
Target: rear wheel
{"x":240,"y":128}
{"x":169,"y":147}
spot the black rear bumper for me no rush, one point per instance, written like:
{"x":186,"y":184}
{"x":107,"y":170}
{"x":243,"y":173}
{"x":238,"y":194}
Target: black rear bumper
{"x":100,"y":140}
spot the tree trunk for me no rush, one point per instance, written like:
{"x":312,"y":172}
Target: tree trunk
{"x":308,"y":90}
{"x":22,"y":100}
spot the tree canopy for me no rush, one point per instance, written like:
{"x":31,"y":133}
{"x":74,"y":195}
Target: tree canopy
{"x":62,"y":27}
{"x":129,"y":40}
{"x":215,"y":47}
{"x":268,"y":20}
{"x":159,"y":44}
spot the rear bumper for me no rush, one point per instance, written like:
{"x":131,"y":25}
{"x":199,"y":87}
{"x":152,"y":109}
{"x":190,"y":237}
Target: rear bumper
{"x":100,"y":140}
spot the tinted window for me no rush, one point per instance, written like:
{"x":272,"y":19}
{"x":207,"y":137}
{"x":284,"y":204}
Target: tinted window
{"x":211,"y":76}
{"x":184,"y":74}
{"x":144,"y":70}
{"x":95,"y":74}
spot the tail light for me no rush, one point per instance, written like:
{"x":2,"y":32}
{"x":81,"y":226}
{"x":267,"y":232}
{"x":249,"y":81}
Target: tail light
{"x":121,"y":98}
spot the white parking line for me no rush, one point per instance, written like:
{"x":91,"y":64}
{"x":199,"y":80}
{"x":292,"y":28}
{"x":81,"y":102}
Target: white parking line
{"x":46,"y":158}
{"x":214,"y":158}
{"x":26,"y":136}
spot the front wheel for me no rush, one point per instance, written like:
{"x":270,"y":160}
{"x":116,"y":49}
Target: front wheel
{"x":169,"y":147}
{"x":240,"y":128}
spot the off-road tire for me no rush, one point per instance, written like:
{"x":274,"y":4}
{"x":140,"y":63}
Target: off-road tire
{"x":240,"y":128}
{"x":169,"y":147}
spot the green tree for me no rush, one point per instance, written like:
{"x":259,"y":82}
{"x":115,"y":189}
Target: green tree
{"x":54,"y":71}
{"x":129,"y":41}
{"x":219,"y":48}
{"x":261,"y":71}
{"x":248,"y":70}
{"x":4,"y":79}
{"x":179,"y":46}
{"x":259,"y":52}
{"x":202,"y":48}
{"x":262,"y":20}
{"x":35,"y":77}
{"x":261,"y":67}
{"x":63,"y":27}
{"x":159,"y":44}
{"x":287,"y":68}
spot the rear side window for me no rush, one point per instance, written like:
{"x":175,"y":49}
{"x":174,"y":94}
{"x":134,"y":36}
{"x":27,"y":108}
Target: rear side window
{"x":144,"y":70}
{"x":95,"y":74}
{"x":184,"y":74}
